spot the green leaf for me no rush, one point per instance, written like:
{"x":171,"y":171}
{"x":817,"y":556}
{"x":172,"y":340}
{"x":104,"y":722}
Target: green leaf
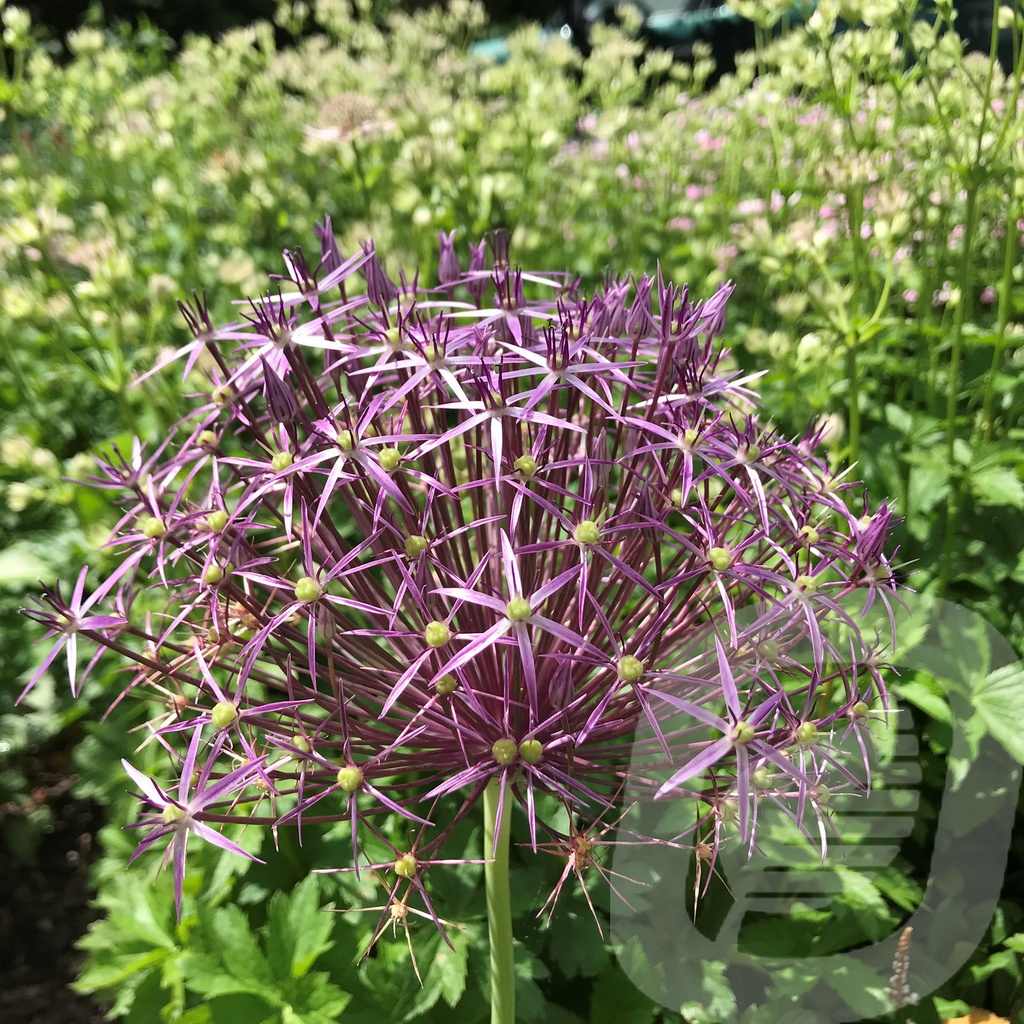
{"x":575,"y":946}
{"x":448,"y":968}
{"x":297,"y":931}
{"x":718,"y":1003}
{"x":112,"y":971}
{"x":925,"y":693}
{"x":997,"y":485}
{"x":616,"y":1000}
{"x":999,"y":700}
{"x":20,"y":567}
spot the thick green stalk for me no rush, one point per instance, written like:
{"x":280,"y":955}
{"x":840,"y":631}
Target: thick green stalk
{"x":499,"y":907}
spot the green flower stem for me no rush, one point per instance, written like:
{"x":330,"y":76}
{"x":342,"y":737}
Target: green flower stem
{"x":965,"y":283}
{"x":499,"y":907}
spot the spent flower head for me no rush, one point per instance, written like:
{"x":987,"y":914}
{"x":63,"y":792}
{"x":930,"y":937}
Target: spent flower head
{"x":418,"y":540}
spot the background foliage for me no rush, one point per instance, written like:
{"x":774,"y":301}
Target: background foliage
{"x":870,"y":211}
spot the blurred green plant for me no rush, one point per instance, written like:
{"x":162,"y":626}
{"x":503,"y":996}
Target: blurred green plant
{"x":870,"y":210}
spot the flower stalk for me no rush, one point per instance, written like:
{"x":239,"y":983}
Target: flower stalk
{"x":499,"y":904}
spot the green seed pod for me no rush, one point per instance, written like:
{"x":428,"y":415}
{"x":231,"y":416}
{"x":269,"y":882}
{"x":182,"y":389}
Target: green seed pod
{"x":720,"y":558}
{"x":446,"y":685}
{"x":743,"y":732}
{"x":505,"y":751}
{"x":223,"y":714}
{"x":350,"y":778}
{"x":415,"y":545}
{"x":152,"y":527}
{"x":207,"y":439}
{"x":806,"y":732}
{"x":217,"y":520}
{"x":170,"y":814}
{"x":437,"y":634}
{"x":526,"y":464}
{"x":281,"y":461}
{"x":769,"y":650}
{"x":346,"y":440}
{"x":389,"y":458}
{"x":807,"y":584}
{"x":518,"y":609}
{"x":629,"y":668}
{"x":301,"y":743}
{"x":809,"y":535}
{"x":531,"y":751}
{"x":307,"y":589}
{"x":587,"y":532}
{"x":406,"y":866}
{"x":213,"y":575}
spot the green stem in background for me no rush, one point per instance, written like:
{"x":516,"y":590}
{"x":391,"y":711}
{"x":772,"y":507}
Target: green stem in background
{"x":499,"y":906}
{"x":965,"y":282}
{"x":853,"y":397}
{"x":1002,"y":318}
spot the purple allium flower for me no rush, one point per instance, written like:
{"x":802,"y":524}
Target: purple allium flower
{"x":498,"y":531}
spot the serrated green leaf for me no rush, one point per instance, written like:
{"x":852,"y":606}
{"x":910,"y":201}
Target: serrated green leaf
{"x":999,"y":700}
{"x":297,"y":931}
{"x":449,"y":967}
{"x":109,"y":972}
{"x":997,"y":485}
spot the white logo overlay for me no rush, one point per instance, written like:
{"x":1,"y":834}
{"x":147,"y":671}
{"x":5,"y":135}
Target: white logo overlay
{"x":748,"y":956}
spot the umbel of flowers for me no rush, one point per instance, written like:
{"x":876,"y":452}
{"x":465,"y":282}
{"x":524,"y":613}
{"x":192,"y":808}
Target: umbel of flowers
{"x":463,"y":545}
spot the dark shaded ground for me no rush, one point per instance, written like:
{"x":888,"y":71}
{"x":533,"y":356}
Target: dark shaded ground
{"x":44,"y":905}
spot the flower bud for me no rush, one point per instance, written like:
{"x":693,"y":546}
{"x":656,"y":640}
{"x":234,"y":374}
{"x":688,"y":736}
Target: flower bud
{"x":217,"y":520}
{"x":742,"y":732}
{"x":307,"y":589}
{"x":446,"y":685}
{"x":171,"y":813}
{"x":406,"y":866}
{"x":806,"y":732}
{"x":415,"y":545}
{"x":809,"y":535}
{"x":531,"y":751}
{"x":213,"y":575}
{"x":437,"y":634}
{"x":720,"y":558}
{"x":152,"y":527}
{"x":526,"y":464}
{"x":350,"y":778}
{"x":630,"y":669}
{"x":223,"y":714}
{"x":518,"y":609}
{"x":505,"y":751}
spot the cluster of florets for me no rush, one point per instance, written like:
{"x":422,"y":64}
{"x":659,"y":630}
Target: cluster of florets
{"x":421,"y":539}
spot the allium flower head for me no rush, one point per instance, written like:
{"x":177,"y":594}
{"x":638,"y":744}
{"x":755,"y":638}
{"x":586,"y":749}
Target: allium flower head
{"x":419,"y":540}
